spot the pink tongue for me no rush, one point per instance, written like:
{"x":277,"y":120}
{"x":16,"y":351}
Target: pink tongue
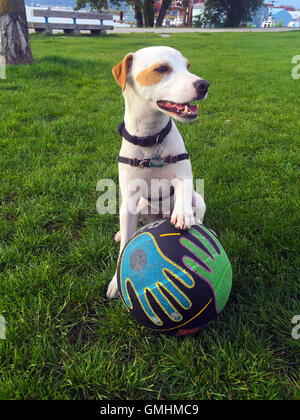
{"x":191,"y":108}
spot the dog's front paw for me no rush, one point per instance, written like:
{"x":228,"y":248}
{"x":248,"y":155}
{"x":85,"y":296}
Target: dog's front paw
{"x":182,"y":220}
{"x":117,"y":237}
{"x":112,"y":290}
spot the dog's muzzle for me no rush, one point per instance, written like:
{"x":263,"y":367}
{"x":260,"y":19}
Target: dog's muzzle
{"x":201,"y":87}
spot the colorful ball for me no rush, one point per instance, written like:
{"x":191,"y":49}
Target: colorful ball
{"x":174,"y":281}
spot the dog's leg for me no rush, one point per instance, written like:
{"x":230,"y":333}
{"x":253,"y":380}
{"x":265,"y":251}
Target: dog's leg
{"x":128,"y":223}
{"x":183,"y":216}
{"x":199,"y":207}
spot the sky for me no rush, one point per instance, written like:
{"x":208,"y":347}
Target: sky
{"x":295,"y":3}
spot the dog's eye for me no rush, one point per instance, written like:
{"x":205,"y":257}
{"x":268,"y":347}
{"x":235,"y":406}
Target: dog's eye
{"x":162,"y":69}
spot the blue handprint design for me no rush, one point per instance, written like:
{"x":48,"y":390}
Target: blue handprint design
{"x":148,"y":271}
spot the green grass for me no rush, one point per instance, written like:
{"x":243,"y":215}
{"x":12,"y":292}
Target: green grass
{"x":58,"y":137}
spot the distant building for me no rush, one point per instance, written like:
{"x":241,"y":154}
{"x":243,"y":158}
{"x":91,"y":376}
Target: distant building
{"x":295,"y":15}
{"x":282,"y":15}
{"x":198,"y":8}
{"x":273,"y":15}
{"x":288,"y":8}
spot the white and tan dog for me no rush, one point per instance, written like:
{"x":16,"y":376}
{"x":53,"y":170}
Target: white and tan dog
{"x":157,"y":84}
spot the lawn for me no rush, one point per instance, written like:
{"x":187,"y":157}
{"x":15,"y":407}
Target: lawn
{"x":58,"y":138}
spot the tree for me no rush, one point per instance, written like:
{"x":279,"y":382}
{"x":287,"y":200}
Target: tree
{"x":186,"y":7}
{"x":187,"y":12}
{"x":149,"y":13}
{"x":230,"y":13}
{"x":162,"y":12}
{"x":137,"y":4}
{"x":14,"y":37}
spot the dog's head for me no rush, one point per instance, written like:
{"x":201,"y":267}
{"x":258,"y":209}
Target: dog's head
{"x":161,"y":77}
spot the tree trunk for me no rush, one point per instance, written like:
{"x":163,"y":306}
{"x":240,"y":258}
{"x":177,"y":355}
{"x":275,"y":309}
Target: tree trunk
{"x":149,"y":13}
{"x":14,"y":37}
{"x":190,"y":16}
{"x":162,"y":12}
{"x":184,"y":19}
{"x":138,"y":13}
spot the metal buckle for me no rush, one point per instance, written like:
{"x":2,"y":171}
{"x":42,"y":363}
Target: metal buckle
{"x":141,"y":163}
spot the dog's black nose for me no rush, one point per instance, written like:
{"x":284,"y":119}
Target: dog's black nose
{"x":201,"y":87}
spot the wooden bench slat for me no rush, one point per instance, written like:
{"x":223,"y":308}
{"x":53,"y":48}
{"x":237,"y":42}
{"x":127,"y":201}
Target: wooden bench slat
{"x":46,"y":13}
{"x":82,"y":27}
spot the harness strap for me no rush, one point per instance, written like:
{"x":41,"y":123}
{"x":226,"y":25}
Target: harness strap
{"x":148,"y":140}
{"x":154,"y":162}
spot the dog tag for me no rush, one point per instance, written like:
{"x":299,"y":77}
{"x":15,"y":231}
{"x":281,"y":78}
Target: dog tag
{"x":157,"y":162}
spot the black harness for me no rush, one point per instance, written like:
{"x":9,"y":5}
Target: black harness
{"x":156,"y":162}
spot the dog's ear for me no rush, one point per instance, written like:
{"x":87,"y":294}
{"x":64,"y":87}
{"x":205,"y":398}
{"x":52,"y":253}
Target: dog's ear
{"x":120,"y":70}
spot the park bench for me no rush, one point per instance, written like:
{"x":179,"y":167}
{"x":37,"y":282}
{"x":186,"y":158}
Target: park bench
{"x":70,"y":28}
